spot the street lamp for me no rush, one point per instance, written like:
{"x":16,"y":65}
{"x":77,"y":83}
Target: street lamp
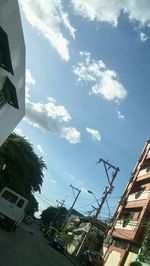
{"x":90,"y":192}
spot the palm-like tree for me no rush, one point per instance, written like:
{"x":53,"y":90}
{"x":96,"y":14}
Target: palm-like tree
{"x":24,"y":170}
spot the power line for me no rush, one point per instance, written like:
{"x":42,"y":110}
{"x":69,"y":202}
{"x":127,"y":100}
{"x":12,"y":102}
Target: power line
{"x":53,"y":192}
{"x":87,"y":171}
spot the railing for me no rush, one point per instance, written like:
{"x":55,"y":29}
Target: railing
{"x":126,"y":224}
{"x":139,"y":195}
{"x":144,"y":172}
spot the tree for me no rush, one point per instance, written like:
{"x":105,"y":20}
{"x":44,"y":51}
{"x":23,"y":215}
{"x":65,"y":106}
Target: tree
{"x":135,"y":263}
{"x":144,"y":255}
{"x":24,"y":169}
{"x":32,"y":205}
{"x":55,"y":216}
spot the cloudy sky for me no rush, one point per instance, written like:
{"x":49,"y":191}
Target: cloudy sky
{"x":87,"y":93}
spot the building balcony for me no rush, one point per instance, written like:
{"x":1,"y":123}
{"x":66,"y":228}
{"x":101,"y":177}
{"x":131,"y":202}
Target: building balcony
{"x":126,"y":224}
{"x":144,"y":174}
{"x":137,"y":199}
{"x":125,"y":229}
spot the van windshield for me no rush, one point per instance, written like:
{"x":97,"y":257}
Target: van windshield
{"x":9,"y":196}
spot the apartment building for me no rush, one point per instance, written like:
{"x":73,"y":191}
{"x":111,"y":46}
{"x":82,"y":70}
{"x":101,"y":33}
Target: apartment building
{"x":129,"y":224}
{"x":12,"y":68}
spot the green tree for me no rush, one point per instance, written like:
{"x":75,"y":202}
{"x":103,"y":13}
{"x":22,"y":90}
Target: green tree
{"x":32,"y":205}
{"x":55,"y":216}
{"x":135,"y":263}
{"x":24,"y":169}
{"x":145,"y":249}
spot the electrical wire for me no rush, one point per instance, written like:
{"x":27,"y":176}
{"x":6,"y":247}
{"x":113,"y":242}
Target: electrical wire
{"x":87,"y":171}
{"x":53,"y":192}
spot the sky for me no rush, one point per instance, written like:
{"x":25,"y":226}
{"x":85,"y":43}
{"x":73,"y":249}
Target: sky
{"x":87,"y":94}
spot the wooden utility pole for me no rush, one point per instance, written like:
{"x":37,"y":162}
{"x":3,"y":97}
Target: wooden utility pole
{"x":58,"y":210}
{"x":70,"y":210}
{"x":106,"y":192}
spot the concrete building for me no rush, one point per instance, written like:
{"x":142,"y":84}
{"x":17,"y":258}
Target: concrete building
{"x":12,"y":68}
{"x":127,"y":231}
{"x":73,"y":219}
{"x":94,"y":240}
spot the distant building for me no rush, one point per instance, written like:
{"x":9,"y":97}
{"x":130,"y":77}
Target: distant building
{"x":127,"y":231}
{"x":74,"y":219}
{"x":94,"y":240}
{"x":12,"y":68}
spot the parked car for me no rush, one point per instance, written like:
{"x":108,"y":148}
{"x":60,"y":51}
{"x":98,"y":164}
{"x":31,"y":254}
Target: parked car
{"x":91,"y":258}
{"x":59,"y":243}
{"x":50,"y":232}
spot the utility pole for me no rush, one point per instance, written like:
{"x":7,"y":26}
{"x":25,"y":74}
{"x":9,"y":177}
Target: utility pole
{"x":69,"y":212}
{"x":79,"y":191}
{"x":109,"y":188}
{"x":107,"y":191}
{"x":58,"y":210}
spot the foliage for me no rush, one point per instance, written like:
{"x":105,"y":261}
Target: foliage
{"x":24,"y":169}
{"x":145,"y":249}
{"x":67,"y":237}
{"x":32,"y":205}
{"x":135,"y":263}
{"x":55,"y":216}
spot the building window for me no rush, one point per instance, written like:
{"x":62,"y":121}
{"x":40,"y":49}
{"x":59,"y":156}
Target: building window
{"x":20,"y":203}
{"x":120,"y":244}
{"x":8,"y":94}
{"x":5,"y":59}
{"x":9,"y":196}
{"x":129,"y":215}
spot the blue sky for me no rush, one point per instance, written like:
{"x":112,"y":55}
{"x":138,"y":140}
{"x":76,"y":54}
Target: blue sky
{"x":87,"y":93}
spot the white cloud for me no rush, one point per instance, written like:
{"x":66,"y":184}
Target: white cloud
{"x":48,"y":17}
{"x":110,"y":11}
{"x":40,"y":149}
{"x":143,"y":37}
{"x":70,"y":176}
{"x":120,"y":115}
{"x":18,"y":131}
{"x":94,"y":133}
{"x":51,"y":118}
{"x":52,"y":180}
{"x":29,"y":78}
{"x":30,"y":81}
{"x":84,"y":190}
{"x":71,"y":134}
{"x":104,"y":82}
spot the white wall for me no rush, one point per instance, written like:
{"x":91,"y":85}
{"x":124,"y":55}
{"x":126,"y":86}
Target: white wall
{"x":131,"y":257}
{"x":130,"y":226}
{"x":144,"y":195}
{"x":113,"y":259}
{"x":11,"y":24}
{"x":143,"y":172}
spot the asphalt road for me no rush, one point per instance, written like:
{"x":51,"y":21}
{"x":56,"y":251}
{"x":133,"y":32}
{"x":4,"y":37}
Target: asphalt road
{"x":27,"y":247}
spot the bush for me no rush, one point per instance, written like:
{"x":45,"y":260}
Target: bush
{"x":135,"y":263}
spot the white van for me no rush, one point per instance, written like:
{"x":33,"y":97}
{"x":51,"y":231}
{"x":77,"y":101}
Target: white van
{"x":12,"y":206}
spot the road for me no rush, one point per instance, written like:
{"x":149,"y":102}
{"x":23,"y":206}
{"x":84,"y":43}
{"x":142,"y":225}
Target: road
{"x":27,"y":247}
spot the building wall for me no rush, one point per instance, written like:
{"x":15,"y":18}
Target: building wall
{"x":11,"y":23}
{"x":115,"y":256}
{"x":130,"y":258}
{"x":132,"y":213}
